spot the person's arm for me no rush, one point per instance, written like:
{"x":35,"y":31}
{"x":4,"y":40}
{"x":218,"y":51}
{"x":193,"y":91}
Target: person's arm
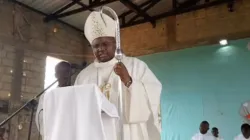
{"x":143,"y":95}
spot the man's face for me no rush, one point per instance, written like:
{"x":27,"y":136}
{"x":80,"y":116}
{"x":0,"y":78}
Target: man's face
{"x":63,"y":74}
{"x":104,"y":48}
{"x":204,"y":128}
{"x":215,"y":132}
{"x":245,"y":133}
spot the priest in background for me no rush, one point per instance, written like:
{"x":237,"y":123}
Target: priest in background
{"x":245,"y":132}
{"x":141,"y":89}
{"x":63,"y":75}
{"x":215,"y":132}
{"x":203,"y":134}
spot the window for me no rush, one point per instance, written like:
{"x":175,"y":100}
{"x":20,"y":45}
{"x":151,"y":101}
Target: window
{"x":51,"y":63}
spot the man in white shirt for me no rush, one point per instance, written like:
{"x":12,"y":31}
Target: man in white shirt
{"x":141,"y":89}
{"x":203,"y":134}
{"x":245,"y":132}
{"x":215,"y":132}
{"x":63,"y":75}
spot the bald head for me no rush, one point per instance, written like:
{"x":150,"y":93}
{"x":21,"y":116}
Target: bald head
{"x":215,"y":132}
{"x":245,"y":130}
{"x":62,"y":73}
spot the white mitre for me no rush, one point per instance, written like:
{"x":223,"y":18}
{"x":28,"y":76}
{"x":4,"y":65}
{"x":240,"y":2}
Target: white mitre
{"x":99,"y":26}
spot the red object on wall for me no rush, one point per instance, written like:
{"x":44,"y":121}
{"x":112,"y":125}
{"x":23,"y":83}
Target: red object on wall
{"x":248,"y":116}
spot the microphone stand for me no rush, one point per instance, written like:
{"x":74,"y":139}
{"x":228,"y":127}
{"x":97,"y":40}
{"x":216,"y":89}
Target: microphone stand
{"x":31,"y":103}
{"x":31,"y":120}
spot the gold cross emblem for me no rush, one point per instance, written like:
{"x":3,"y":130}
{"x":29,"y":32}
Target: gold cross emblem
{"x":106,"y":90}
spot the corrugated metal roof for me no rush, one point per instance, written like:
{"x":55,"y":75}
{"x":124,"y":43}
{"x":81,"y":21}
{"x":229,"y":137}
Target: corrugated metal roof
{"x":78,"y":20}
{"x":46,"y":6}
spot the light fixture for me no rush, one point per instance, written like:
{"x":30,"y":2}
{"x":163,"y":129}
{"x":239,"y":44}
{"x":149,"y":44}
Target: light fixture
{"x":55,"y":29}
{"x":223,"y":42}
{"x":20,"y":126}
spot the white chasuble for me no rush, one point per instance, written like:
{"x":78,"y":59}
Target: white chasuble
{"x":241,"y":137}
{"x":207,"y":136}
{"x":140,"y":101}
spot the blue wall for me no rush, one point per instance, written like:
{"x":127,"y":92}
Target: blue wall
{"x":202,"y":83}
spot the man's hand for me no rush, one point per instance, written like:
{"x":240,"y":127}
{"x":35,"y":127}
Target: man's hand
{"x":122,"y":71}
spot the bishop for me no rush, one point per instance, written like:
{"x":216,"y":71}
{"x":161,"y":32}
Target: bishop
{"x":141,"y":89}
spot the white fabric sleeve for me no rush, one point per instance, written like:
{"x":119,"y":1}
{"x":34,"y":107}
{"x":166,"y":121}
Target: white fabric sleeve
{"x":39,"y":115}
{"x":143,"y":97}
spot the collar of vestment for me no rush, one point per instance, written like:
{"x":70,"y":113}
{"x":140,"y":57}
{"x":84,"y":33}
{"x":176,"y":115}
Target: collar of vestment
{"x":111,"y":62}
{"x":206,"y":134}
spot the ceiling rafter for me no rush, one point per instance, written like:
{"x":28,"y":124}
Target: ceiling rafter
{"x":49,"y":17}
{"x":84,"y":5}
{"x":138,"y":11}
{"x":73,"y":2}
{"x":152,"y":4}
{"x":192,"y":8}
{"x":94,"y":4}
{"x":82,"y":9}
{"x":180,"y":11}
{"x":131,"y":11}
{"x":44,"y":14}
